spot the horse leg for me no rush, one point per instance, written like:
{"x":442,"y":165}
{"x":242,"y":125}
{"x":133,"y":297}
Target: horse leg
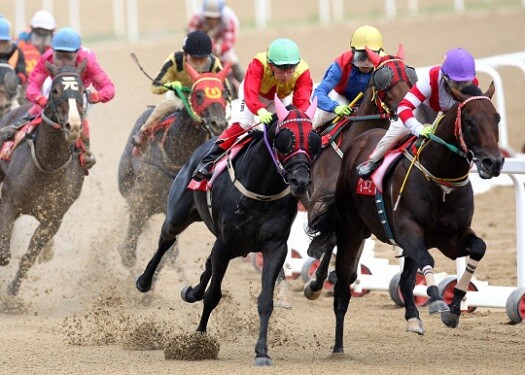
{"x":128,"y":249}
{"x":43,"y":233}
{"x":273,"y":264}
{"x":144,"y":282}
{"x":194,"y":294}
{"x":283,"y":298}
{"x":312,"y":289}
{"x":477,"y":249}
{"x":8,"y":216}
{"x":407,"y":283}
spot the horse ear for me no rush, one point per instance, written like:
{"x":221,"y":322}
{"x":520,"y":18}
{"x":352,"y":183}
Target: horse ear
{"x":51,"y":68}
{"x":82,"y":66}
{"x":401,"y":52}
{"x":491,"y":90}
{"x":458,"y":95}
{"x":280,"y":109}
{"x":373,"y":57}
{"x":310,"y":112}
{"x":224,"y":72}
{"x":194,"y":75}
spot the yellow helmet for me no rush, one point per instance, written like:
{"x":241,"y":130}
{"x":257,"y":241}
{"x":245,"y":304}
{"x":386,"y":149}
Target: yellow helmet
{"x":367,"y":36}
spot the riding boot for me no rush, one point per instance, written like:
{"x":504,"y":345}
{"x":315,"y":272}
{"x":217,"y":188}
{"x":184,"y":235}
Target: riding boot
{"x":8,"y":132}
{"x":88,"y":157}
{"x":365,"y":170}
{"x":226,"y":139}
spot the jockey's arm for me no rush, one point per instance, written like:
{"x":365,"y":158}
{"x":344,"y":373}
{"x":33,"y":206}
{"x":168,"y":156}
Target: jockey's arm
{"x":330,"y":80}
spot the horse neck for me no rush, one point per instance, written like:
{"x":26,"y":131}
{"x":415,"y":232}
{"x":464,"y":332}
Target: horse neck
{"x":51,"y":146}
{"x":183,"y":135}
{"x":367,"y":107}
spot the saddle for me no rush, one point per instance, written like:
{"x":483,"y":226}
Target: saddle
{"x":330,"y":131}
{"x":158,"y":128}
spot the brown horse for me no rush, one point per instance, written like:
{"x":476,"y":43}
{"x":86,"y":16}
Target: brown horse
{"x":44,"y":177}
{"x":390,"y":82}
{"x":145,"y":180}
{"x":435,"y":208}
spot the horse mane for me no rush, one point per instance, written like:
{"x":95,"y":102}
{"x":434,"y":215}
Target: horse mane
{"x":471,"y":90}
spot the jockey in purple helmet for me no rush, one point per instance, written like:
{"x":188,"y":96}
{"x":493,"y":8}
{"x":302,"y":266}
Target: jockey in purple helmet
{"x":418,"y":109}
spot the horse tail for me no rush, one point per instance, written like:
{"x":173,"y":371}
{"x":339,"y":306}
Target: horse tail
{"x":321,"y":226}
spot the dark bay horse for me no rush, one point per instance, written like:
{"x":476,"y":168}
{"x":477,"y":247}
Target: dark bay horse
{"x":434,"y":210}
{"x":44,"y":177}
{"x":145,"y":180}
{"x":390,"y":82}
{"x":8,"y":88}
{"x":251,"y":207}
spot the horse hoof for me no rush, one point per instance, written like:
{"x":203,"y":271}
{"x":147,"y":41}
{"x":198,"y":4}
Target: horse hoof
{"x":142,"y":285}
{"x":263,"y":361}
{"x":415,"y":325}
{"x":4,"y":260}
{"x":128,"y":257}
{"x":451,"y":320}
{"x":184,"y":294}
{"x":13,"y":288}
{"x":309,"y":293}
{"x":438,"y":307}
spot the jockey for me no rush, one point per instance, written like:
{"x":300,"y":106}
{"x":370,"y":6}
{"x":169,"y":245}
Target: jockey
{"x":10,"y":53}
{"x":222,"y":25}
{"x":347,"y":76}
{"x":421,"y":104}
{"x":280,"y":70}
{"x":66,"y":47}
{"x":37,"y":39}
{"x":196,"y":51}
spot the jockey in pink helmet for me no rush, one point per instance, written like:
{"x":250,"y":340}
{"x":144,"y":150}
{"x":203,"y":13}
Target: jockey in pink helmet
{"x":418,"y":109}
{"x":66,"y":48}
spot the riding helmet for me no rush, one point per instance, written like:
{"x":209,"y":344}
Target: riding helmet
{"x":366,"y":36}
{"x":5,"y":29}
{"x":66,"y":39}
{"x":43,"y":20}
{"x":283,"y":52}
{"x":212,"y":8}
{"x":459,"y":65}
{"x":197,"y":44}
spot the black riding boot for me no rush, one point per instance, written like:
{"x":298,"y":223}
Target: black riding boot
{"x":204,"y":169}
{"x":8,"y":132}
{"x":365,"y":170}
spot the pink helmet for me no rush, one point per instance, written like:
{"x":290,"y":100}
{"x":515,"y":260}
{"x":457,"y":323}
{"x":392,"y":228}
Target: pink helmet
{"x":459,"y":65}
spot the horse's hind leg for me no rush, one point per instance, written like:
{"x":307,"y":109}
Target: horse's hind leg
{"x":407,"y":283}
{"x":477,"y":248}
{"x":312,"y":289}
{"x":128,"y":249}
{"x":7,"y":220}
{"x":43,"y":233}
{"x":194,"y":294}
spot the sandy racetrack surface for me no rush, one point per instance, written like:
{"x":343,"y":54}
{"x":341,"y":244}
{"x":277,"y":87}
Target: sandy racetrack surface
{"x":79,"y":313}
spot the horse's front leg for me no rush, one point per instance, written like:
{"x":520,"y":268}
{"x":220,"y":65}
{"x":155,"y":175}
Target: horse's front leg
{"x":43,"y":233}
{"x":8,"y":216}
{"x":194,"y":294}
{"x":128,"y":249}
{"x":476,"y":247}
{"x":212,"y":297}
{"x":407,"y":283}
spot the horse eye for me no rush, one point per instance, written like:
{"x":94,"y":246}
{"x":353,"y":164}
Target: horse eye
{"x":284,"y":141}
{"x":382,"y":78}
{"x":314,"y":142}
{"x":411,"y":74}
{"x":199,"y":97}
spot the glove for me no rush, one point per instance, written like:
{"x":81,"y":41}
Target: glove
{"x":41,"y":101}
{"x":343,"y":110}
{"x":93,"y":97}
{"x":265,"y":116}
{"x":426,"y":131}
{"x":173,"y":85}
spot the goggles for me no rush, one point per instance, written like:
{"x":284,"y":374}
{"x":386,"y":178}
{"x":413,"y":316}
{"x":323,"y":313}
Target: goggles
{"x":284,"y":68}
{"x":361,"y":60}
{"x":456,"y":85}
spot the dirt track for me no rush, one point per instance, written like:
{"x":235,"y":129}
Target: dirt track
{"x":84,"y":296}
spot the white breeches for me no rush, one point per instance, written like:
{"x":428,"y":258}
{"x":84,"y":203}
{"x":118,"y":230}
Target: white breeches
{"x":323,"y":116}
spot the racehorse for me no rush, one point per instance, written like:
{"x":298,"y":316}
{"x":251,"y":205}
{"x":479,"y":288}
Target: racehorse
{"x":425,"y":201}
{"x":145,"y":180}
{"x":8,"y":88}
{"x":43,"y":176}
{"x":249,"y":208}
{"x":389,"y":83}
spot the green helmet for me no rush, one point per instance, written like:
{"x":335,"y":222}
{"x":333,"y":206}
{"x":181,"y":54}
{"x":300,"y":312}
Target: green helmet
{"x":283,"y":52}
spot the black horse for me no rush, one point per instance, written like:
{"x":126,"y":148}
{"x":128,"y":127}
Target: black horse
{"x":44,"y":176}
{"x":435,"y":208}
{"x":144,"y":180}
{"x":251,"y":207}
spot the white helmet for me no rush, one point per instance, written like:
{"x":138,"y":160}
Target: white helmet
{"x":43,"y":20}
{"x":212,"y":8}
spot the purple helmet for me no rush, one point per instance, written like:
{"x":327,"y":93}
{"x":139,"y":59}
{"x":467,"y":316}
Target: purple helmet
{"x":459,"y":65}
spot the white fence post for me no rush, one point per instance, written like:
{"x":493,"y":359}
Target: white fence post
{"x":74,"y":15}
{"x":390,"y":8}
{"x":324,"y":11}
{"x":118,"y":18}
{"x":133,"y":23}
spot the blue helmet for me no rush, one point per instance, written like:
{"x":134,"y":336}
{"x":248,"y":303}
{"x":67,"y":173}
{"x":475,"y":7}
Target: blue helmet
{"x":5,"y":29}
{"x":66,"y":39}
